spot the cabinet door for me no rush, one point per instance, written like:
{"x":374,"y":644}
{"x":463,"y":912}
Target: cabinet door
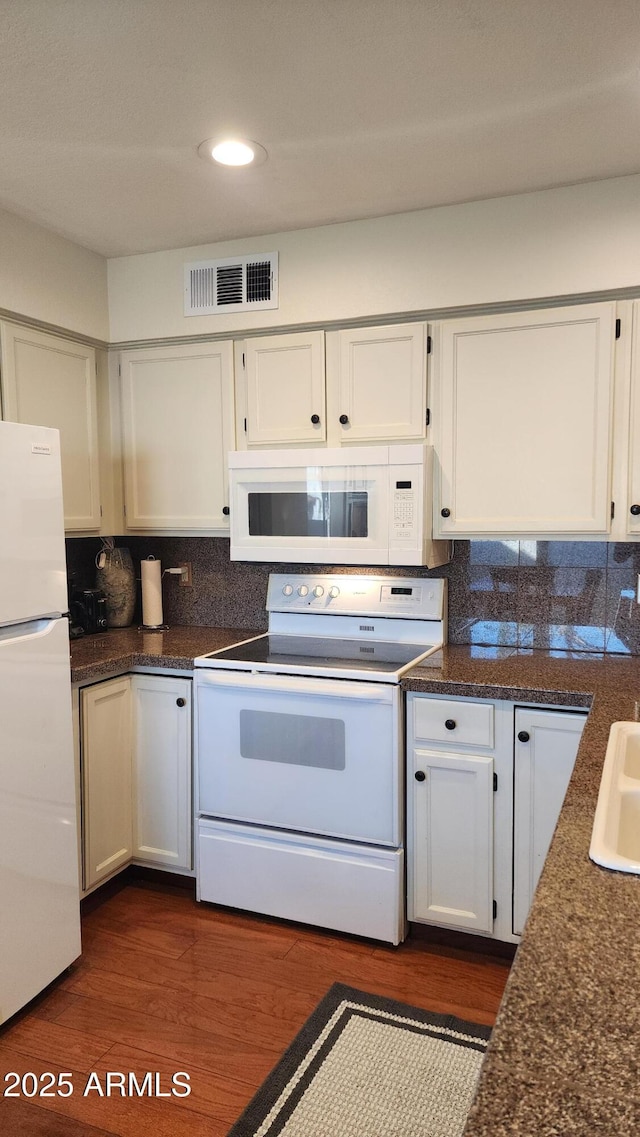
{"x":632,"y":504}
{"x":162,"y":770}
{"x":545,"y":752}
{"x":50,"y":381}
{"x":377,"y":381}
{"x":451,"y":840}
{"x":285,"y":389}
{"x":177,"y":424}
{"x":523,"y":421}
{"x":106,"y":778}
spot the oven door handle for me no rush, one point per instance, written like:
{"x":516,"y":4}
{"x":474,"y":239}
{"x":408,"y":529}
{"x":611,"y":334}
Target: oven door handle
{"x":298,"y":685}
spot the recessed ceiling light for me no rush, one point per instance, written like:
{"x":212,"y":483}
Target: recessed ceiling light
{"x":232,"y":151}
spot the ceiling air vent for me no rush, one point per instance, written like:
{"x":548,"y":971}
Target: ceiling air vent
{"x":236,"y":284}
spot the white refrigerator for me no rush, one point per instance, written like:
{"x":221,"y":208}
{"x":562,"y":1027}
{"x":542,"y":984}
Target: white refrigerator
{"x":39,"y":889}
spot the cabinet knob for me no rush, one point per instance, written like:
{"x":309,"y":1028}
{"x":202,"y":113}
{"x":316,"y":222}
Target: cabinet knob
{"x":450,"y":724}
{"x":181,"y":702}
{"x":523,"y":736}
{"x":419,"y":775}
{"x":315,"y":419}
{"x":344,"y":419}
{"x":635,"y":510}
{"x":226,"y":510}
{"x":445,"y":512}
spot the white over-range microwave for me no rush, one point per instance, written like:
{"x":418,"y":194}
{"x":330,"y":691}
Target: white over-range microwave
{"x":358,"y":506}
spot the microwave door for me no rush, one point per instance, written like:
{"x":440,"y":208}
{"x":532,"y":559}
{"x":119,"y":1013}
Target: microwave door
{"x":323,"y":514}
{"x":288,"y":514}
{"x":317,"y":516}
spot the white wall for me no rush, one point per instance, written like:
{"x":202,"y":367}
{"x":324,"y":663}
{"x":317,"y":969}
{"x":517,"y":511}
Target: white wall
{"x":552,"y":243}
{"x":48,"y":278}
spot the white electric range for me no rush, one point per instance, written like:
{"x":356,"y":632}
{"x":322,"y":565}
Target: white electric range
{"x":300,"y":756}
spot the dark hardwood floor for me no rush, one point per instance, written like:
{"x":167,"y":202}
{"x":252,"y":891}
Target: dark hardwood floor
{"x":166,"y":985}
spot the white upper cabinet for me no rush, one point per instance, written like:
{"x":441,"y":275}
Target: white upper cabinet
{"x":631,"y":506}
{"x":51,"y":381}
{"x":371,"y":388}
{"x":177,"y":427}
{"x":523,"y":421}
{"x":377,"y":384}
{"x":285,"y":389}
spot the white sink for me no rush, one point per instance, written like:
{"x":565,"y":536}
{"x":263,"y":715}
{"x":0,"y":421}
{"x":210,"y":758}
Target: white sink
{"x":615,"y":840}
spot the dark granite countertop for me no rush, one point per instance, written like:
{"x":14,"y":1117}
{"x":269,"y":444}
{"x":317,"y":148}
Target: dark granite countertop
{"x":120,"y":649}
{"x":564,"y":1058}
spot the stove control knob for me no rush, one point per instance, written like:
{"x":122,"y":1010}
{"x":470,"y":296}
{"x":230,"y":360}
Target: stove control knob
{"x":287,"y":590}
{"x":334,"y":591}
{"x":303,"y":590}
{"x":318,"y":590}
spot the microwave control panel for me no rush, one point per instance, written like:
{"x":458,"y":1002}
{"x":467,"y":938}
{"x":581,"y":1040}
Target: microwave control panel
{"x":404,"y":505}
{"x":406,"y":508}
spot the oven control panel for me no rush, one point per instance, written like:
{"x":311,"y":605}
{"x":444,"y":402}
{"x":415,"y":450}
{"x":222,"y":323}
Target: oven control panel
{"x":356,"y":595}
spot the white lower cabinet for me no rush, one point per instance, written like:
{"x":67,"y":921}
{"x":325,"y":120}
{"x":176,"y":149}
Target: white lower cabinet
{"x":135,"y":761}
{"x":162,"y":770}
{"x":453,"y":840}
{"x":546,"y":744}
{"x":485,"y":785}
{"x":105,"y":741}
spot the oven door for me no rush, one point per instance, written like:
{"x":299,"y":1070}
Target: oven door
{"x":309,"y":755}
{"x":304,"y":508}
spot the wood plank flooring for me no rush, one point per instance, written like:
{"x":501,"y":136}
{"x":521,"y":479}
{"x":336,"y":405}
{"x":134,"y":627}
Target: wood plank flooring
{"x":167,"y":985}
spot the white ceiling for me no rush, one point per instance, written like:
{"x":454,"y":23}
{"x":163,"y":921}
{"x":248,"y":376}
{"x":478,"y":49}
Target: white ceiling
{"x":366,"y":107}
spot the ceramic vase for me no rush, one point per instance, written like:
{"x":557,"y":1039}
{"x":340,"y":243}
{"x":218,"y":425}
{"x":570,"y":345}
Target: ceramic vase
{"x":117,"y":580}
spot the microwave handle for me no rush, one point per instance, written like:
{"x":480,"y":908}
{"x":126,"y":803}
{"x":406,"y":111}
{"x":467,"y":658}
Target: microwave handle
{"x":297,"y":685}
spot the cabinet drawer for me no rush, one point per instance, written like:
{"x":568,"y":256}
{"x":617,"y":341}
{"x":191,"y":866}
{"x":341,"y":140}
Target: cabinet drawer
{"x":472,"y":722}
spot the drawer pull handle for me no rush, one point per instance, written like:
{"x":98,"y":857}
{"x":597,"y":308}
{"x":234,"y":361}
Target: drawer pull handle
{"x":635,"y":510}
{"x":523,"y":736}
{"x":445,"y":512}
{"x":315,"y":419}
{"x":181,"y":702}
{"x":450,"y":724}
{"x":420,"y":775}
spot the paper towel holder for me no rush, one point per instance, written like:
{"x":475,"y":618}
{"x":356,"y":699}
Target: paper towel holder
{"x":182,"y":571}
{"x":154,"y":627}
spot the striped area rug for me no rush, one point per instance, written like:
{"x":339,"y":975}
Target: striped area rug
{"x":366,"y":1066}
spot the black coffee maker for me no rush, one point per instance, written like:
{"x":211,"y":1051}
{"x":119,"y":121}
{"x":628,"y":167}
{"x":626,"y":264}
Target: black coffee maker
{"x":88,"y":610}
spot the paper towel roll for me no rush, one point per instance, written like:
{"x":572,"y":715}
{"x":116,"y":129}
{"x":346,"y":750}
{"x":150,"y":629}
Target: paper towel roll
{"x":151,"y":574}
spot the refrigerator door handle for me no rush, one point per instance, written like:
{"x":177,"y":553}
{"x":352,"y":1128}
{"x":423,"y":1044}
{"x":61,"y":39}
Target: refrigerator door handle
{"x":30,"y":629}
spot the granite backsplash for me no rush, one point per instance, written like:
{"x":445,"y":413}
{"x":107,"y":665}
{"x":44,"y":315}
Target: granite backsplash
{"x":559,"y":595}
